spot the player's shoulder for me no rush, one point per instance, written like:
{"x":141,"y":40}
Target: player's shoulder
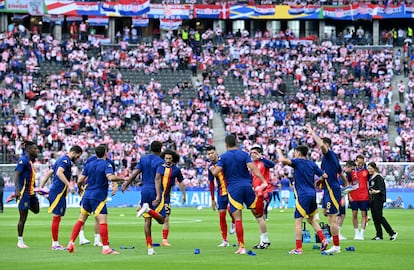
{"x":64,"y":159}
{"x":21,"y":160}
{"x":109,"y":164}
{"x":90,"y":159}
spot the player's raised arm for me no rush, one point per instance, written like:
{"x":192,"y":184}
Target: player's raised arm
{"x":282,"y":158}
{"x":317,"y":139}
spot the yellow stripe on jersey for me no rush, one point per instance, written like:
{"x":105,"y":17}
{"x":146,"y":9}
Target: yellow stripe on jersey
{"x":165,"y":180}
{"x":21,"y":192}
{"x":235,"y":203}
{"x":299,"y":207}
{"x":99,"y":208}
{"x":84,"y":212}
{"x":32,"y":180}
{"x":223,"y":187}
{"x":57,"y":199}
{"x":160,"y":206}
{"x":331,"y":194}
{"x":253,"y":205}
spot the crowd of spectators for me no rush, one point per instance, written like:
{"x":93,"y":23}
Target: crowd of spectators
{"x":87,"y":97}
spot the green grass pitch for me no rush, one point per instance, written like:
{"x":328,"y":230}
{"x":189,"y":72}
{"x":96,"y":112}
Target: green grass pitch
{"x":192,"y":229}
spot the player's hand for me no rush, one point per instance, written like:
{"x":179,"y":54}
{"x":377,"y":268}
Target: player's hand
{"x":124,"y":187}
{"x":156,"y":202}
{"x":260,"y":189}
{"x":71,"y":190}
{"x":213,"y":205}
{"x":342,"y":202}
{"x":81,"y":190}
{"x":114,"y":188}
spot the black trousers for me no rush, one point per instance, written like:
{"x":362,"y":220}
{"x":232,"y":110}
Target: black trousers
{"x":376,"y":207}
{"x":1,"y":201}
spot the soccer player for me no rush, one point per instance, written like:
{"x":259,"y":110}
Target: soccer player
{"x":285,"y":186}
{"x":24,"y":182}
{"x":99,"y":172}
{"x":62,"y":171}
{"x":305,"y":193}
{"x":349,"y":166}
{"x":150,"y":190}
{"x":236,"y":164}
{"x":275,"y":192}
{"x":168,"y":173}
{"x":332,"y":194}
{"x":222,"y":203}
{"x":82,"y":184}
{"x":263,"y":197}
{"x":359,"y":198}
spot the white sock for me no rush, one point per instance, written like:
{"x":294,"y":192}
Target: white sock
{"x":264,"y":238}
{"x":105,"y":247}
{"x":362,"y":231}
{"x":20,"y":239}
{"x":97,"y":238}
{"x":81,"y":235}
{"x":55,"y":243}
{"x":356,"y":231}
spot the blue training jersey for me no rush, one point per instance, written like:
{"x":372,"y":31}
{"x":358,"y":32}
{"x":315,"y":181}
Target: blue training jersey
{"x":235,"y":169}
{"x":64,"y":162}
{"x":304,"y":176}
{"x":330,"y":165}
{"x":285,"y":183}
{"x":97,"y":171}
{"x":148,"y":166}
{"x":27,"y":175}
{"x":92,"y":158}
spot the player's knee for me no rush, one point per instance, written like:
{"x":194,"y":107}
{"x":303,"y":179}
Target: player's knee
{"x":258,"y":214}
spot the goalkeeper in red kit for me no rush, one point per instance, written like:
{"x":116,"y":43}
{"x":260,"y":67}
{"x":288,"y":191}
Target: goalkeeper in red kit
{"x":263,"y":196}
